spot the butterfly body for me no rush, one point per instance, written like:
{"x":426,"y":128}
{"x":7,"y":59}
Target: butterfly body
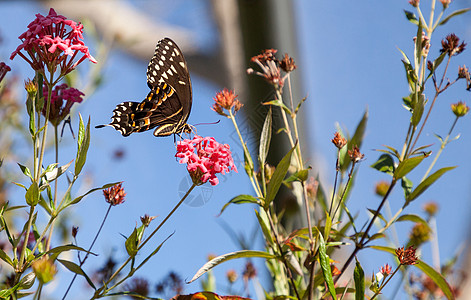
{"x":168,"y":104}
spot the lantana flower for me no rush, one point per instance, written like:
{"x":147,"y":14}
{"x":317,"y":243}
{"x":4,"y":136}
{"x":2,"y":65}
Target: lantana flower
{"x":63,"y":98}
{"x":205,"y":158}
{"x":52,"y":41}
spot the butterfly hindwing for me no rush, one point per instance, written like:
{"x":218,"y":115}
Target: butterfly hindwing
{"x":168,"y":104}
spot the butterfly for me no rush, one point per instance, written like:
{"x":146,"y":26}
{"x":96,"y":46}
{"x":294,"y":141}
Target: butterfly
{"x":167,"y":106}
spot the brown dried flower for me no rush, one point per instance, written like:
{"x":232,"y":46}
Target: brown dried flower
{"x":445,"y":3}
{"x":407,"y":256}
{"x":355,"y":154}
{"x":267,"y":54}
{"x":115,"y":194}
{"x":431,"y":208}
{"x":414,"y":3}
{"x":146,"y":219}
{"x":287,"y":64}
{"x":226,"y":99}
{"x":231,"y":276}
{"x":339,"y":141}
{"x":451,"y":45}
{"x":386,"y":270}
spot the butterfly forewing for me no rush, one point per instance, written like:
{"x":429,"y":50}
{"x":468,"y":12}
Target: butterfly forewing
{"x":168,"y":104}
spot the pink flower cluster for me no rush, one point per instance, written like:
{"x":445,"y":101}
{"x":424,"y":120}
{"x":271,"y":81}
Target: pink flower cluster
{"x":53,"y":41}
{"x":58,"y":111}
{"x":205,"y":158}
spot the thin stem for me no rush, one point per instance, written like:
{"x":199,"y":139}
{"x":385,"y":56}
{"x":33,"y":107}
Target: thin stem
{"x":337,"y":169}
{"x":350,"y":175}
{"x":360,"y":245}
{"x":46,"y":120}
{"x":89,"y":249}
{"x":56,"y":148}
{"x":97,"y":293}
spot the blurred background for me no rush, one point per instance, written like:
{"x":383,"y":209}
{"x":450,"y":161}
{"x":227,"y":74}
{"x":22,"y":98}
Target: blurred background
{"x":348,"y":62}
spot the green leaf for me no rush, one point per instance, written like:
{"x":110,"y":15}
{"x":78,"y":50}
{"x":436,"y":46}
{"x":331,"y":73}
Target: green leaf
{"x":426,"y":183}
{"x":453,"y":14}
{"x":418,"y":111}
{"x":32,"y":194}
{"x":25,"y":171}
{"x":229,"y":256}
{"x":78,"y":199}
{"x":241,"y":199}
{"x":277,"y":178}
{"x":5,"y":258}
{"x":263,"y":225}
{"x":132,"y":242}
{"x":325,"y":266}
{"x":301,"y":176}
{"x":359,"y":278}
{"x":299,"y":105}
{"x":411,"y":17}
{"x":385,"y":164}
{"x":407,"y":165}
{"x":279,"y":103}
{"x":265,"y":139}
{"x":54,"y":252}
{"x":73,"y":267}
{"x":406,"y":185}
{"x":439,"y":280}
{"x":56,"y":172}
{"x":27,"y":281}
{"x":412,"y":218}
{"x":83,"y":144}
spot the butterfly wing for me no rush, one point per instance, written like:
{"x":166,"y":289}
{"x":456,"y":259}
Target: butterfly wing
{"x":168,"y":104}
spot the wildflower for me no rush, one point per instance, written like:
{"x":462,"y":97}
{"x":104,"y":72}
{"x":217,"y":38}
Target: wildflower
{"x":414,"y":3}
{"x":407,"y":256}
{"x":381,"y":188}
{"x":339,"y":141}
{"x":52,"y":41}
{"x":419,"y":234}
{"x":3,"y":70}
{"x":450,"y":45}
{"x":31,"y":88}
{"x":270,"y":69}
{"x":431,"y":208}
{"x":226,"y":99}
{"x":460,"y":109}
{"x":205,"y":158}
{"x":249,"y":271}
{"x":115,"y":194}
{"x":63,"y":98}
{"x":463,"y":72}
{"x":44,"y":269}
{"x":355,"y":154}
{"x":429,"y":65}
{"x":425,"y":44}
{"x":386,"y":270}
{"x":445,"y":3}
{"x":138,"y":286}
{"x":231,"y":276}
{"x":146,"y":219}
{"x":287,"y":64}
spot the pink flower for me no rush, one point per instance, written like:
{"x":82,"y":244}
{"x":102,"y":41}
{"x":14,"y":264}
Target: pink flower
{"x":53,"y":41}
{"x":205,"y":158}
{"x":62,"y":99}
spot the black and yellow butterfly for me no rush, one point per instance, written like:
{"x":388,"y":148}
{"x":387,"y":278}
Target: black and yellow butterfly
{"x":168,"y":104}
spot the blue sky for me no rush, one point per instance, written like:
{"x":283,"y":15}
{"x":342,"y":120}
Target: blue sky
{"x":349,"y":62}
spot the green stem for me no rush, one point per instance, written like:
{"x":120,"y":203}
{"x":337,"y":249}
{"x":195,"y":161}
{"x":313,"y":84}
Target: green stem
{"x":56,"y":146}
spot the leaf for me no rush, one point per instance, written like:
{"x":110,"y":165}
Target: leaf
{"x":56,"y":172}
{"x":453,"y":14}
{"x":5,"y":258}
{"x":439,"y":280}
{"x":407,"y":165}
{"x":264,"y":227}
{"x":73,"y":267}
{"x":379,"y":215}
{"x":277,"y":178}
{"x":132,"y":242}
{"x":265,"y":139}
{"x":32,"y":194}
{"x":241,"y":199}
{"x":325,"y":266}
{"x":83,"y":144}
{"x":299,"y":105}
{"x":78,"y":199}
{"x":279,"y":103}
{"x":359,"y":278}
{"x":426,"y":183}
{"x":301,"y":175}
{"x":411,"y":17}
{"x":412,"y":218}
{"x":25,"y":171}
{"x":27,"y":281}
{"x":385,"y":164}
{"x":406,"y":185}
{"x":54,"y":252}
{"x":229,"y":256}
{"x":418,"y":109}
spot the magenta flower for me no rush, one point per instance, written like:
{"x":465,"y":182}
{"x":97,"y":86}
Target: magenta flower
{"x":205,"y":158}
{"x":53,"y":41}
{"x":62,"y":99}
